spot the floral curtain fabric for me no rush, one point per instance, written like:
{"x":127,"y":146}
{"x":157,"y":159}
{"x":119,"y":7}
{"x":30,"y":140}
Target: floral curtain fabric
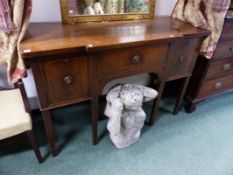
{"x":6,"y":23}
{"x":20,"y":11}
{"x":206,"y":14}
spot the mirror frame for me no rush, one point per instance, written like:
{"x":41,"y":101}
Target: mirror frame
{"x":113,"y":17}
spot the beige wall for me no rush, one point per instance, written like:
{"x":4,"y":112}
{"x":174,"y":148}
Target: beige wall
{"x":44,"y":10}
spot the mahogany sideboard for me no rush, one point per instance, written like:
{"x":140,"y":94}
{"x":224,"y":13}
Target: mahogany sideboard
{"x":215,"y":76}
{"x":72,"y":63}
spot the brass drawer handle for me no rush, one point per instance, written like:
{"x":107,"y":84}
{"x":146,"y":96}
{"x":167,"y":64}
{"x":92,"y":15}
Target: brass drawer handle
{"x":218,"y":85}
{"x":137,"y":59}
{"x":226,"y":67}
{"x":181,"y":59}
{"x":68,"y":80}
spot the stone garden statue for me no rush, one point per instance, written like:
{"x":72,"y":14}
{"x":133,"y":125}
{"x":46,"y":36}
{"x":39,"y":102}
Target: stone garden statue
{"x":125,"y":113}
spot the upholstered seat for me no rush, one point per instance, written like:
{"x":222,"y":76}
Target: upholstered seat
{"x":13,"y":117}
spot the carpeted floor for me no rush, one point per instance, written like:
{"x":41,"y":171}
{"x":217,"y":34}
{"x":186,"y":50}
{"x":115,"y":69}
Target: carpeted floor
{"x":200,"y":143}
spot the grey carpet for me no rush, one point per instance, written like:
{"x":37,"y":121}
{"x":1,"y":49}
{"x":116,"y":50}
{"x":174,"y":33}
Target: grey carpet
{"x":200,"y":143}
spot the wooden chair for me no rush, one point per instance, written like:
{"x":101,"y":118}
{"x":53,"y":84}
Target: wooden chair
{"x":15,"y":116}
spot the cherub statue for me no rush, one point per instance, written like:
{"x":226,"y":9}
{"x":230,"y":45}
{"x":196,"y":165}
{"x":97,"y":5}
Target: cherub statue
{"x":125,"y":113}
{"x":98,"y":8}
{"x":93,"y":8}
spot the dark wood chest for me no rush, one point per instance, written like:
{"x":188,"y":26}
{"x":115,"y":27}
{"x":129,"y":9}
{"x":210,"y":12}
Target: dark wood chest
{"x":215,"y":76}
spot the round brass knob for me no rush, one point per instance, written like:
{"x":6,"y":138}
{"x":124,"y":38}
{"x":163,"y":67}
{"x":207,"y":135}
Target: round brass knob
{"x":68,"y":80}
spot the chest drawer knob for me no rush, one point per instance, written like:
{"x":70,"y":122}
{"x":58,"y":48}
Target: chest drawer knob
{"x":218,"y":85}
{"x":231,"y":49}
{"x":68,"y":80}
{"x":226,"y":67}
{"x":181,"y":59}
{"x":137,"y":59}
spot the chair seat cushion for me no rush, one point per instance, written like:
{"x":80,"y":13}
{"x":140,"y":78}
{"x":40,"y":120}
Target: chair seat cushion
{"x":13,"y":117}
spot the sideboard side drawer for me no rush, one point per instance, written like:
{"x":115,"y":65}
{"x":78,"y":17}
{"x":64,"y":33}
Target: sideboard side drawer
{"x":66,"y":78}
{"x":215,"y":86}
{"x":184,"y":57}
{"x":131,"y":59}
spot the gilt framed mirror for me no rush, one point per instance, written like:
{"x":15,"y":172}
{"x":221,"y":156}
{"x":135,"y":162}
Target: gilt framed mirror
{"x":74,"y":11}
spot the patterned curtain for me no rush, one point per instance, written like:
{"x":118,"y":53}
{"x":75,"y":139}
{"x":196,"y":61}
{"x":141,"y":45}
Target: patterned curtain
{"x":206,"y":14}
{"x":19,"y":14}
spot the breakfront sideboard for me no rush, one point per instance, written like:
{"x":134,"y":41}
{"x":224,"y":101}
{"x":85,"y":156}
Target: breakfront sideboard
{"x":215,"y":76}
{"x":73,"y":63}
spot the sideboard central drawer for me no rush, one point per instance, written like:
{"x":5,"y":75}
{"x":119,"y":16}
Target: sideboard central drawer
{"x":131,"y":59}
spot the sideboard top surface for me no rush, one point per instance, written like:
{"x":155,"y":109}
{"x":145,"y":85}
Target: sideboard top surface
{"x":53,"y":38}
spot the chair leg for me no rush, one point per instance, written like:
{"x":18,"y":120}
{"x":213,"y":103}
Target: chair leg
{"x":34,"y":144}
{"x":94,"y":120}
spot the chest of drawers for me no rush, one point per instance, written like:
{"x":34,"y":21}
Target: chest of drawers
{"x":73,"y":63}
{"x":215,"y":76}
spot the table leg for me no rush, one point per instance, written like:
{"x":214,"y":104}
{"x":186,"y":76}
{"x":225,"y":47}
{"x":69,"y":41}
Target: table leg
{"x":94,"y":119}
{"x":160,"y":87}
{"x":190,"y":107}
{"x":49,"y":131}
{"x":180,"y":98}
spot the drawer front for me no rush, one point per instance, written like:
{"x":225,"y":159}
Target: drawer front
{"x":220,"y":68}
{"x":224,"y":49}
{"x":227,"y":31}
{"x":216,"y":86}
{"x":66,"y":79}
{"x":184,"y":57}
{"x":131,"y":59}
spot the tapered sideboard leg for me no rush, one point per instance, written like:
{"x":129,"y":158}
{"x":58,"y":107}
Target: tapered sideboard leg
{"x":160,"y":87}
{"x":180,"y":98}
{"x":49,"y":131}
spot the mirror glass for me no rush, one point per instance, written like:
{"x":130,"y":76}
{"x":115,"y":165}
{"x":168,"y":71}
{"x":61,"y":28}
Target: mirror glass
{"x":107,"y":7}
